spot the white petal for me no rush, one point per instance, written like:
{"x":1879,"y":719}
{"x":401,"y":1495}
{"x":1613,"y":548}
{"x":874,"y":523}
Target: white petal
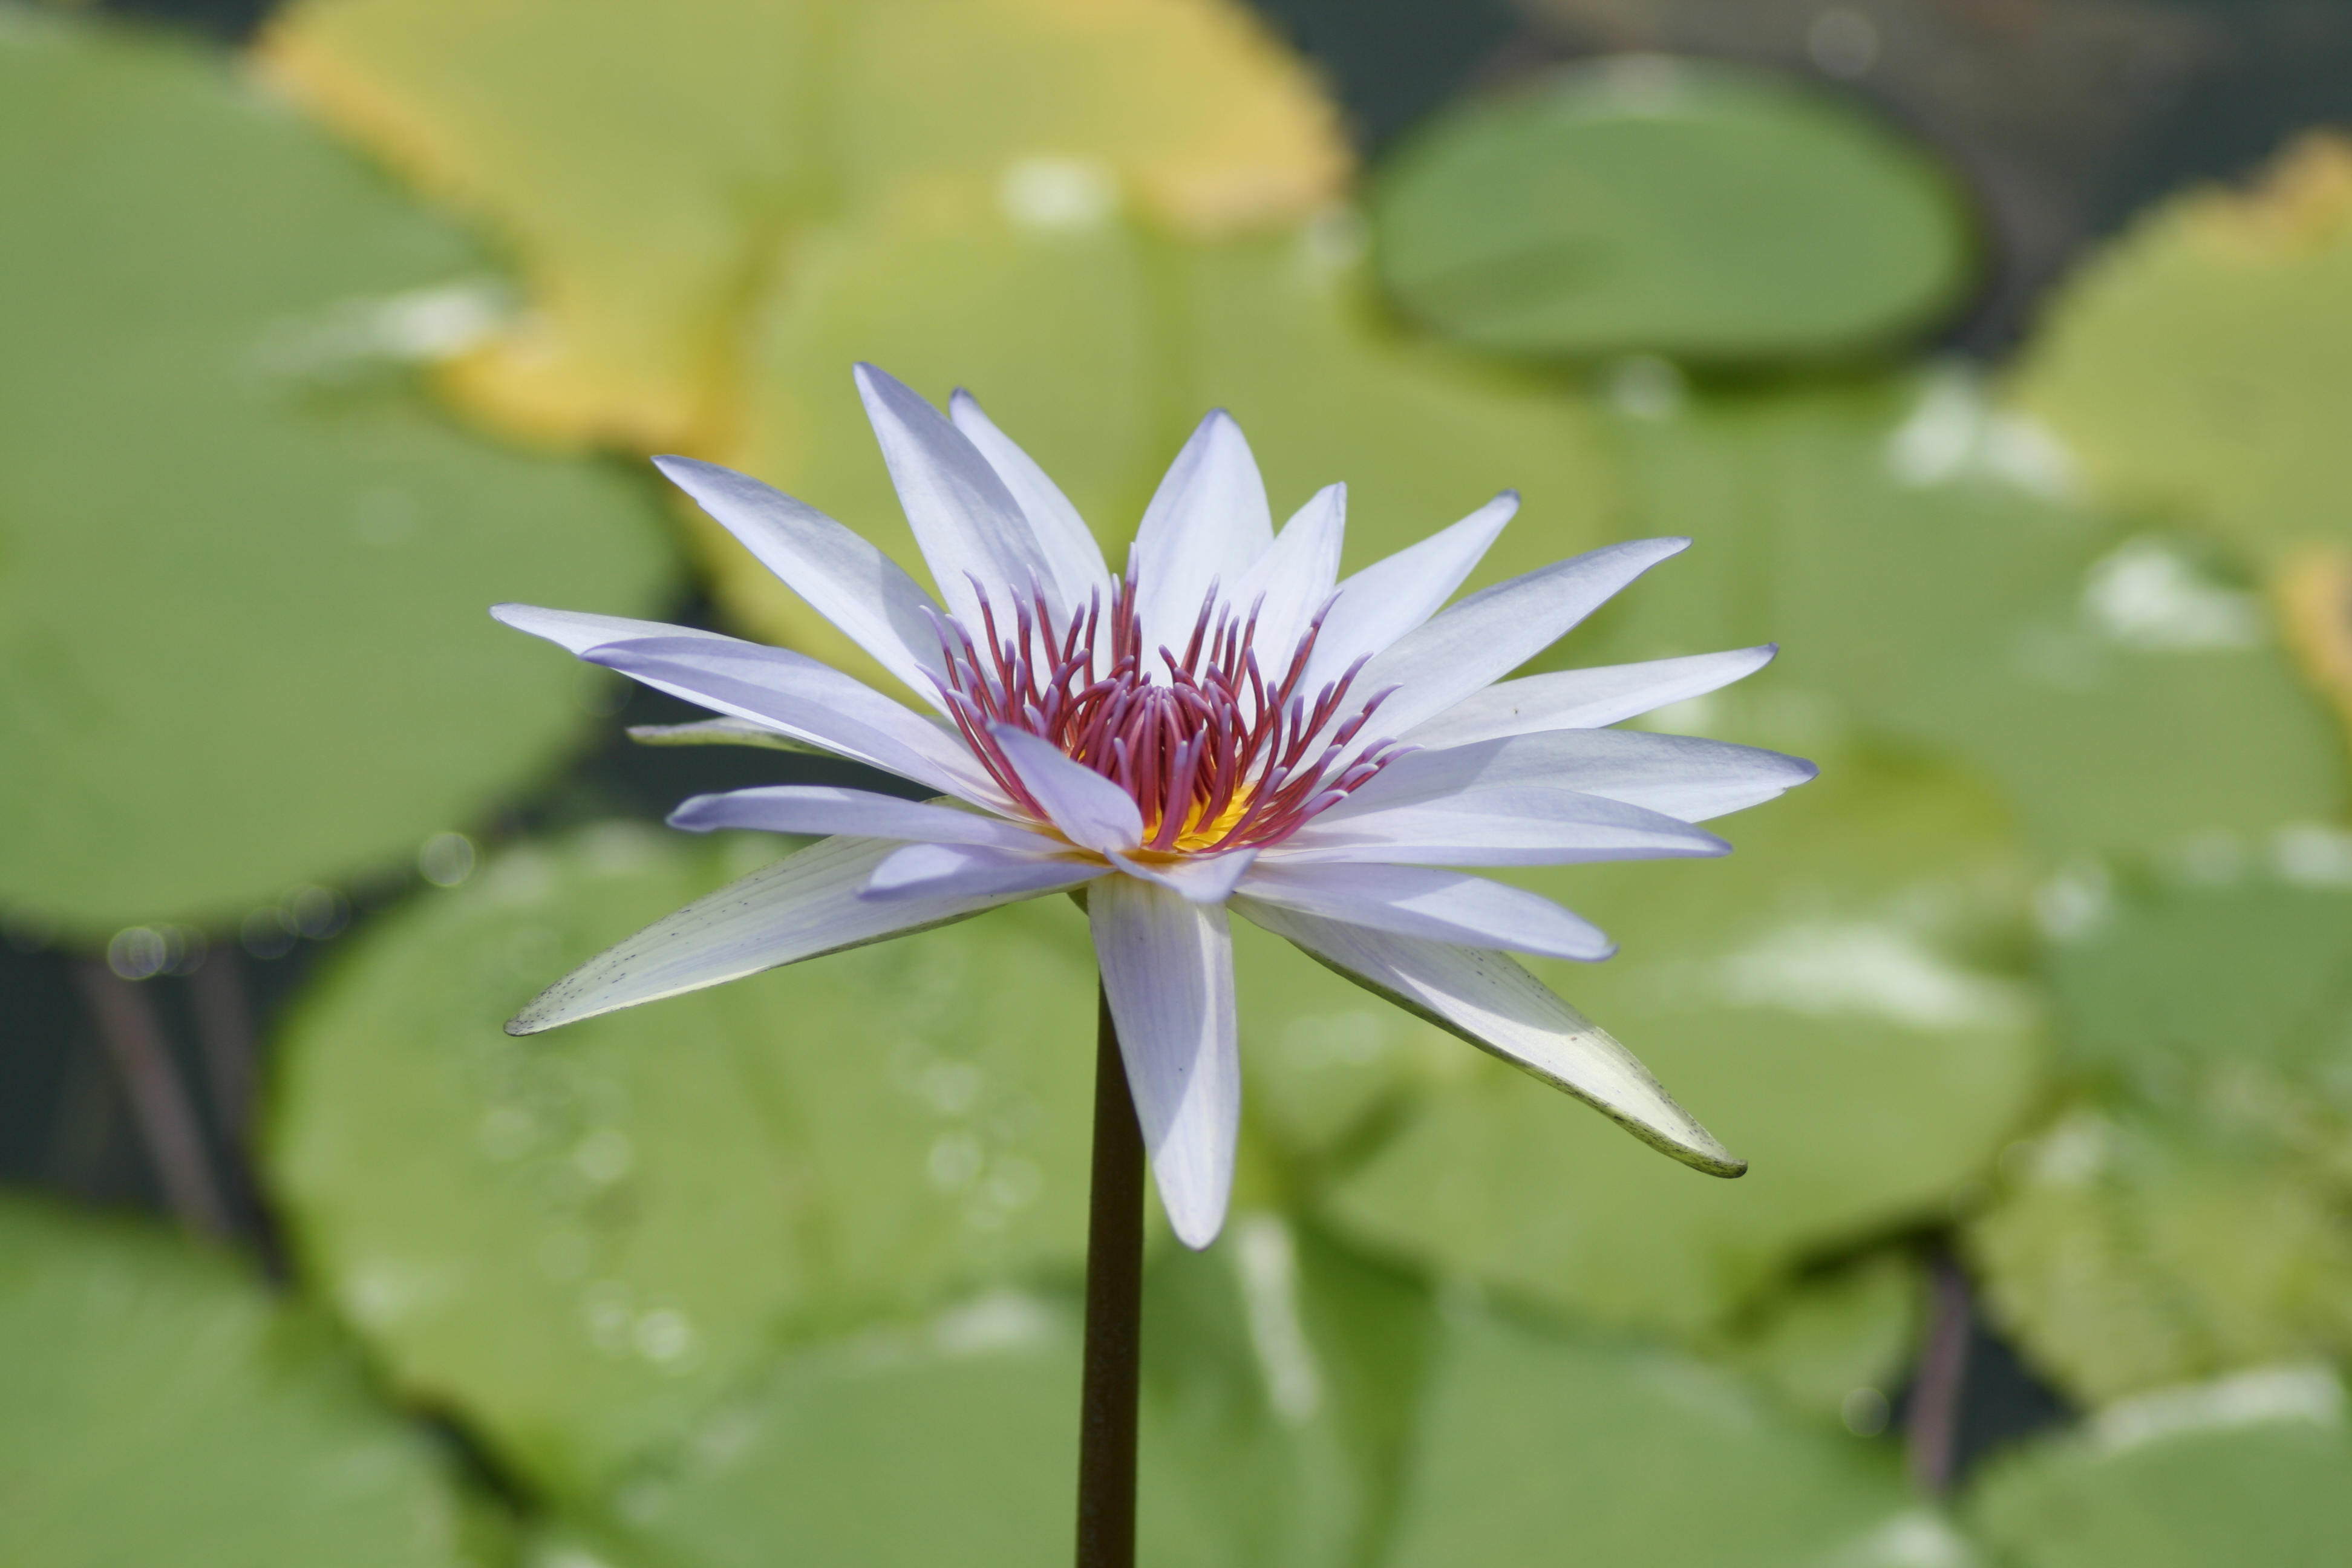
{"x":1439,"y":906}
{"x":844,"y":578}
{"x":1390,"y":597}
{"x":1493,"y":1004}
{"x":805,"y":699}
{"x":1680,"y":775}
{"x":804,"y":905}
{"x":720,"y":733}
{"x":1061,"y":532}
{"x":1207,"y":521}
{"x":966,"y":521}
{"x":822,"y":810}
{"x":1092,"y":810}
{"x":1294,"y":578}
{"x":1512,"y":825}
{"x":1204,"y":880}
{"x":576,"y":631}
{"x":1496,"y":629}
{"x":1585,"y":699}
{"x":1167,"y":970}
{"x":961,"y":871}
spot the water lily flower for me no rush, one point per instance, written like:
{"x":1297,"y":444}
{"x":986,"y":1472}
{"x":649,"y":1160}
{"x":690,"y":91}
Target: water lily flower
{"x":1225,"y":727}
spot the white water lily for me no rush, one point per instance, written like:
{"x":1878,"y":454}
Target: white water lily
{"x":1224,"y":728}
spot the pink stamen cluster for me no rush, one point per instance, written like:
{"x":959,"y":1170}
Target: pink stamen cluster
{"x":1215,"y":756}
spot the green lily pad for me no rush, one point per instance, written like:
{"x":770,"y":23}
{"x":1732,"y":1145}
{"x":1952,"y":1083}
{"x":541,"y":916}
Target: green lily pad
{"x":643,"y":169}
{"x":1835,"y":1001}
{"x":1838,"y":1346}
{"x":243,"y":567}
{"x":1097,"y":347}
{"x":1280,"y":1378}
{"x":2187,"y":1217}
{"x":1535,"y":1450}
{"x":580,"y":1240}
{"x":2130,"y":1249}
{"x":2202,"y":365}
{"x":2219,"y":984}
{"x":2257,"y":1468}
{"x":1915,"y":551}
{"x":157,"y":1405}
{"x":1672,"y":207}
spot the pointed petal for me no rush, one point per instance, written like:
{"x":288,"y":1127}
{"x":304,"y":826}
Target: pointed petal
{"x":967,"y":523}
{"x":1168,"y":971}
{"x":721,"y":732}
{"x":1681,"y":776}
{"x":804,"y":905}
{"x":1294,"y":578}
{"x":1585,"y":699}
{"x":1088,"y":808}
{"x":844,"y":578}
{"x":1491,"y":1002}
{"x":1208,"y":880}
{"x":822,"y":810}
{"x":805,"y":699}
{"x":1389,"y":598}
{"x":1436,"y":906}
{"x":576,"y":631}
{"x":964,"y":871}
{"x":1516,"y":824}
{"x":1496,"y":629}
{"x":1061,"y":532}
{"x":1208,"y":521}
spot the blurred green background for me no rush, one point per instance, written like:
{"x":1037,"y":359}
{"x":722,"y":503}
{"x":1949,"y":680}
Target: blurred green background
{"x":1996,"y":357}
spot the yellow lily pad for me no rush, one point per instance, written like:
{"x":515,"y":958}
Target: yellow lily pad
{"x":641,"y":161}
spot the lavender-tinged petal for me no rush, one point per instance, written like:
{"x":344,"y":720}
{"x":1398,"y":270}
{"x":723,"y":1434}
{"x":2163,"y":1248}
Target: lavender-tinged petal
{"x":966,"y":870}
{"x":842,"y":576}
{"x":1204,"y":880}
{"x":1061,"y":532}
{"x":1294,"y":578}
{"x":804,"y":905}
{"x":1207,"y":522}
{"x":965,"y":519}
{"x":1390,"y":597}
{"x":1496,"y":629}
{"x":1585,"y":699}
{"x":1168,"y":971}
{"x":825,"y":810}
{"x":1682,"y":776}
{"x":1434,"y":905}
{"x":1094,"y":812}
{"x":1509,"y":825}
{"x":1491,"y":1002}
{"x":805,"y":699}
{"x":576,"y":631}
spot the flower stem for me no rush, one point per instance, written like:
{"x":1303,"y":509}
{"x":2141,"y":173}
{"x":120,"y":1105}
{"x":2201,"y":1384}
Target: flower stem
{"x":1114,"y":1315}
